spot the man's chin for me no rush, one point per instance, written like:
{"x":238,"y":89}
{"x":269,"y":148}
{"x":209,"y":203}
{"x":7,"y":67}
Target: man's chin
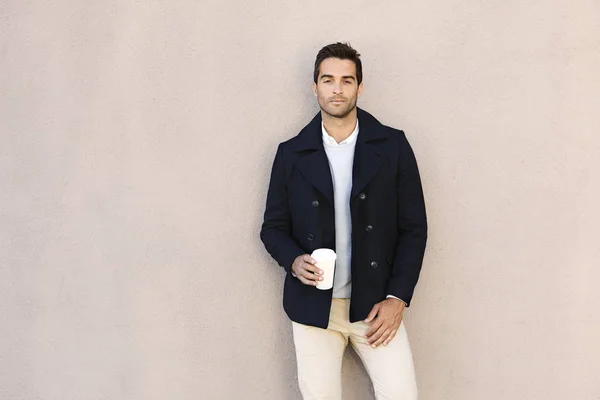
{"x":337,"y":113}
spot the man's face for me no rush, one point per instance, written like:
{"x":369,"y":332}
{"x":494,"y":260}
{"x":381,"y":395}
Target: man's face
{"x":337,"y":88}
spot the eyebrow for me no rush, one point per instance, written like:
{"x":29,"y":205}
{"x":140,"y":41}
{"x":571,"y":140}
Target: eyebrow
{"x":343,"y":77}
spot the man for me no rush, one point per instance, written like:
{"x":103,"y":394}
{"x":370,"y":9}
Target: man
{"x":348,"y":183}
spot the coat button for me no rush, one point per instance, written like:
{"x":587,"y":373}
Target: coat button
{"x":311,"y":236}
{"x":315,"y":203}
{"x":362,"y":196}
{"x":369,"y":228}
{"x":374,"y":264}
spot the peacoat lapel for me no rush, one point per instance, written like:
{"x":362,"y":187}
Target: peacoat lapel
{"x":312,"y":160}
{"x":369,"y":154}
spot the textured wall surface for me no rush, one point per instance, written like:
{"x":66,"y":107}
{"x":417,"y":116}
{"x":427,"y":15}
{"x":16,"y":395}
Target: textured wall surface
{"x":136,"y":140}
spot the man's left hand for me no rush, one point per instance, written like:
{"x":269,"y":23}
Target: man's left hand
{"x":386,"y":317}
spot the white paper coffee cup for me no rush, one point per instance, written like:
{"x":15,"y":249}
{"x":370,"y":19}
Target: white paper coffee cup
{"x":325,"y":261}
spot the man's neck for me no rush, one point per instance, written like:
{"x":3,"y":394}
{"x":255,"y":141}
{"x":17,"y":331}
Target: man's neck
{"x":339,"y":128}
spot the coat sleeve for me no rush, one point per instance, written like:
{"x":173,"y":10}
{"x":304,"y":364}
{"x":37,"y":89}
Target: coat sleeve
{"x":412,"y":225}
{"x":276,"y":230}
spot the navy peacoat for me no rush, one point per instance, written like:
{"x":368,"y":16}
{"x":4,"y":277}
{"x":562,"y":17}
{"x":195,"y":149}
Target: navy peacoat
{"x":389,"y":225}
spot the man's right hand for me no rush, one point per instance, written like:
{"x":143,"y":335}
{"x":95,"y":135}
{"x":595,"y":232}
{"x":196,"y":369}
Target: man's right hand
{"x":305,"y":268}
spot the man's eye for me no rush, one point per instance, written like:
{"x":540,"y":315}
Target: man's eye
{"x":326,"y":81}
{"x":348,"y":82}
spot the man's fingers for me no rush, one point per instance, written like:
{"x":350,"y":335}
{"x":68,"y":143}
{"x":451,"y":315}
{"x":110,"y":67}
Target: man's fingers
{"x":307,"y":271}
{"x":311,"y":264}
{"x":378,"y":332}
{"x":389,"y":338}
{"x":314,"y":269}
{"x":307,"y":281}
{"x":308,"y":277}
{"x":382,"y":337}
{"x":374,"y":328}
{"x":308,"y":259}
{"x":373,"y":313}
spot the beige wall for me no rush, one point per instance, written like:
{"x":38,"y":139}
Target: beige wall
{"x":136,"y":142}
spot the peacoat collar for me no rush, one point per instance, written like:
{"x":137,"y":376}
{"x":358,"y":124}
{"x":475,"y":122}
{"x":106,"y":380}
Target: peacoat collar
{"x":369,"y":154}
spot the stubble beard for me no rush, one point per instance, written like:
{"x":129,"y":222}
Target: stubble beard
{"x":334,"y":112}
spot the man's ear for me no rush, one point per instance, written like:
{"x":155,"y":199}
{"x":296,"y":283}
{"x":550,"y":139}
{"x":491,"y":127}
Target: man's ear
{"x":314,"y":88}
{"x":360,"y":88}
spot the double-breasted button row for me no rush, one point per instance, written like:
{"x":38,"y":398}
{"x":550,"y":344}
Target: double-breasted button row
{"x":374,"y":264}
{"x":362,"y":195}
{"x":369,"y":228}
{"x":315,"y":204}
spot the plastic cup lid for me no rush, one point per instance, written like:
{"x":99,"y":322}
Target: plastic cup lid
{"x":324,"y":254}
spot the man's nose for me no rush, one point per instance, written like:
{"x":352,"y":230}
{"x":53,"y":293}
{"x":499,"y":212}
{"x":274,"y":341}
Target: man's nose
{"x":337,"y":88}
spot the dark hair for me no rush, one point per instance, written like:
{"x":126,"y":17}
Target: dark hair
{"x":343,"y":51}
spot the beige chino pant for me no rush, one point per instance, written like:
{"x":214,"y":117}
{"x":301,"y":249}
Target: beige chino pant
{"x":319,"y":353}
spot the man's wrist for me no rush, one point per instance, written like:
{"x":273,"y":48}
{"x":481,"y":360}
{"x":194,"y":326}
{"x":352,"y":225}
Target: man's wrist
{"x":391,"y":296}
